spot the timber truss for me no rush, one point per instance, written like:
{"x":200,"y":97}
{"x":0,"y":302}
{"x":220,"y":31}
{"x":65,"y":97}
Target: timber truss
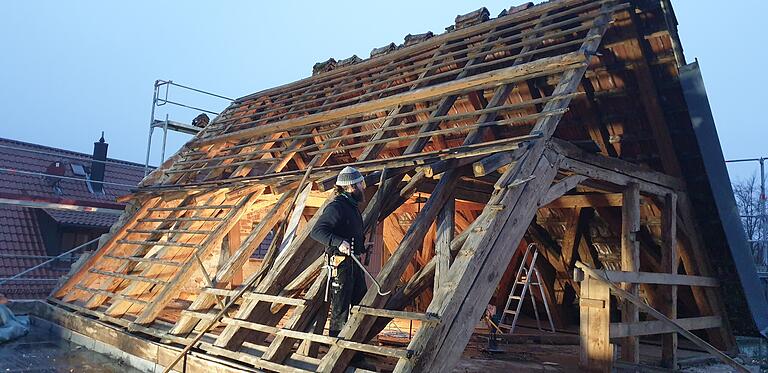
{"x":473,"y":109}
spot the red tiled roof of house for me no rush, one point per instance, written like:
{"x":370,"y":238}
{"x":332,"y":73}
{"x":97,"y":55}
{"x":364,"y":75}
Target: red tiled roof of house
{"x":26,"y":157}
{"x":20,"y":233}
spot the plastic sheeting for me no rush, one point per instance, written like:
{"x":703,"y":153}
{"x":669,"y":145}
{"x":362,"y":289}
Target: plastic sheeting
{"x":12,"y":326}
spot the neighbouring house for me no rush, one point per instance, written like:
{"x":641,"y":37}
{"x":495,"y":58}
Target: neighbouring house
{"x":53,"y":200}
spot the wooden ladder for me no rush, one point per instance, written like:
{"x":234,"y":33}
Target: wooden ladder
{"x":526,"y":276}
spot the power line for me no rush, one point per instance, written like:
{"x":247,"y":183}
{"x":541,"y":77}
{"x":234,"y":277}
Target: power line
{"x":81,"y":158}
{"x":15,"y":171}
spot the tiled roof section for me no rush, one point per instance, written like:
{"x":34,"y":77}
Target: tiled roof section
{"x":80,"y":218}
{"x":20,"y":235}
{"x":31,"y":158}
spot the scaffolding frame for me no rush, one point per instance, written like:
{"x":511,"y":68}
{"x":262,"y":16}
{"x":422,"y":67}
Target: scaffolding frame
{"x":161,"y":99}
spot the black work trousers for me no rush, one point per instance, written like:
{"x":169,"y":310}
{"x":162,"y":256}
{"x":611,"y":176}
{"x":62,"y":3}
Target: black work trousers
{"x":347,"y":289}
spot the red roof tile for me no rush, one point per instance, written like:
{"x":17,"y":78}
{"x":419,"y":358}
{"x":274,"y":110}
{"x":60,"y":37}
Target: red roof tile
{"x":81,"y":218}
{"x":20,"y":235}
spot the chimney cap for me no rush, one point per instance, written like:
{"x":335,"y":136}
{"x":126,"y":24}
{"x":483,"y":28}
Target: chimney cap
{"x":101,"y":140}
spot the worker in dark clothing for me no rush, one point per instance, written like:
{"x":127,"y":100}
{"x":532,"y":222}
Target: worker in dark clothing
{"x":340,"y":228}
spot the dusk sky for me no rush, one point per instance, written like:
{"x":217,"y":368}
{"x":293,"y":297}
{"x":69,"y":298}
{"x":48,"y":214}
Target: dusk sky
{"x":72,"y":69}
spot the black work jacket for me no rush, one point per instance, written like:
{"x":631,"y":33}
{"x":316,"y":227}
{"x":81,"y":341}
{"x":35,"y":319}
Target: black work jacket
{"x":340,"y":221}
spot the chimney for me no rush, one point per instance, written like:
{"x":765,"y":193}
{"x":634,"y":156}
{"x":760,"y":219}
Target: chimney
{"x":97,"y":168}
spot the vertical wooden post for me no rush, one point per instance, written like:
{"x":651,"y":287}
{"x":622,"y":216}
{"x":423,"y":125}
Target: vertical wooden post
{"x":669,"y":260}
{"x":234,"y":239}
{"x":596,"y":352}
{"x":630,"y":262}
{"x":445,"y":231}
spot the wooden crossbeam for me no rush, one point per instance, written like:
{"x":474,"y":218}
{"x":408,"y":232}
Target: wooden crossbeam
{"x":475,"y":82}
{"x":621,"y":330}
{"x":661,"y":317}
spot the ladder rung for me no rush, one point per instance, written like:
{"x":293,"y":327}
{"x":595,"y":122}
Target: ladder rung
{"x":185,"y":208}
{"x":145,"y":260}
{"x":160,"y":220}
{"x":170,"y":231}
{"x":128,"y":277}
{"x":160,"y":243}
{"x":517,"y":297}
{"x":510,"y":312}
{"x":110,"y":294}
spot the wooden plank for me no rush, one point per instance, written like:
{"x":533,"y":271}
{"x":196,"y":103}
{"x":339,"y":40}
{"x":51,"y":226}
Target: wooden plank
{"x":571,"y":238}
{"x":141,"y":259}
{"x":478,"y":81}
{"x":669,"y":262}
{"x":614,"y":170}
{"x":394,"y":314}
{"x":256,"y":296}
{"x":630,"y":262}
{"x":493,"y":163}
{"x":586,"y":200}
{"x":128,"y":277}
{"x":661,"y":279}
{"x":293,"y":220}
{"x":445,"y":228}
{"x":234,"y":240}
{"x":621,"y":330}
{"x":660,"y":316}
{"x":596,"y":351}
{"x":563,"y":186}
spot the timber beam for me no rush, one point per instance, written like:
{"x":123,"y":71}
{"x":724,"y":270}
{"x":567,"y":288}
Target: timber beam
{"x":614,"y":170}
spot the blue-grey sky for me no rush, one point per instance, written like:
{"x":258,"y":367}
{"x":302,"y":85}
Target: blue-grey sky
{"x":69,"y":70}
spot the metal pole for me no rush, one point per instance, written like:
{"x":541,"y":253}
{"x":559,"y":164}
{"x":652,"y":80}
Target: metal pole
{"x":151,"y":128}
{"x":48,"y":261}
{"x":165,"y":138}
{"x":763,"y":222}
